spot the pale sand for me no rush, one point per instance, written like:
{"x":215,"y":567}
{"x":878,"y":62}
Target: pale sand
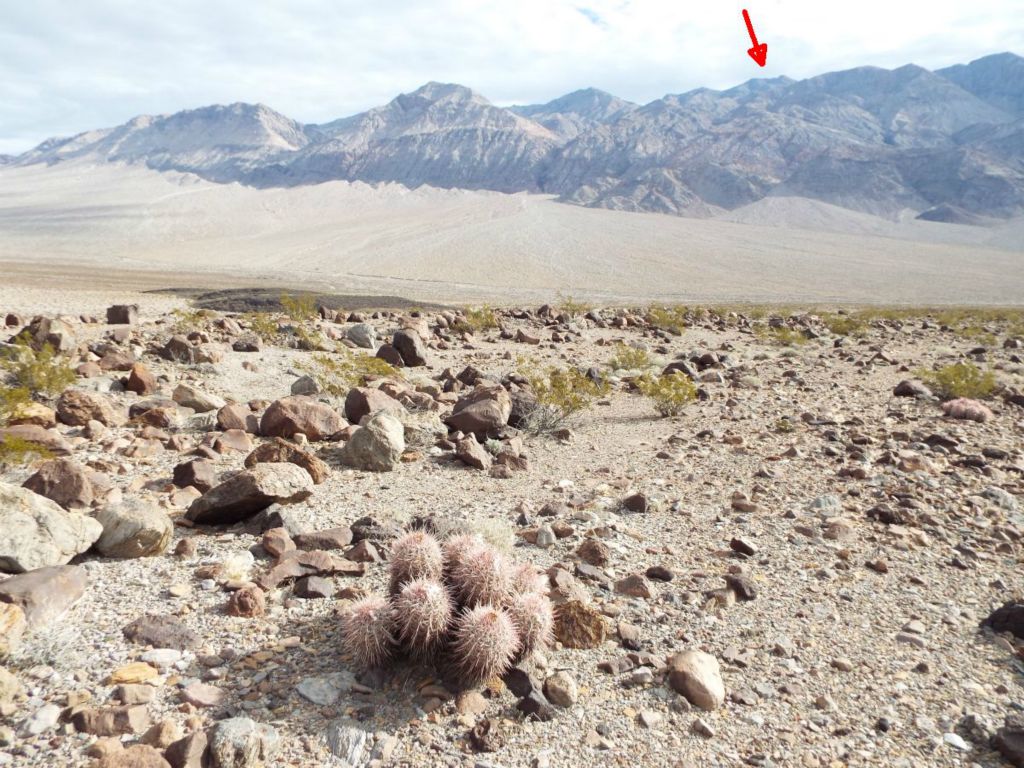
{"x":114,"y":229}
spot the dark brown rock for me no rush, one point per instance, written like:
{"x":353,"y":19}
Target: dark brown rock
{"x":411,"y":347}
{"x":294,"y":415}
{"x":77,"y":408}
{"x":141,"y":380}
{"x":161,"y":631}
{"x":279,"y":450}
{"x":247,"y":602}
{"x":199,"y":473}
{"x":63,"y":481}
{"x":250,"y":491}
{"x":111,"y":721}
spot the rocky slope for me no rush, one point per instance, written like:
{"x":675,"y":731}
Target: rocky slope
{"x":807,"y":566}
{"x":868,"y":139}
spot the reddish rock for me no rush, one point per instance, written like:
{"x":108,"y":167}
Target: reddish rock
{"x":198,"y":473}
{"x":485,"y":409}
{"x":280,"y":450}
{"x":63,"y":481}
{"x":237,"y":416}
{"x":332,"y":538}
{"x":361,"y":401}
{"x":77,"y":408}
{"x":247,"y":602}
{"x":111,"y":721}
{"x":233,"y":440}
{"x":294,"y":415}
{"x":47,"y":439}
{"x":141,"y":380}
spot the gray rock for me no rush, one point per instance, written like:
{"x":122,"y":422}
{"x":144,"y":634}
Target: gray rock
{"x":161,"y":631}
{"x":250,"y":491}
{"x":38,"y":533}
{"x":45,"y":594}
{"x":410,"y":347}
{"x":42,"y":720}
{"x":242,"y":743}
{"x":349,"y":742}
{"x":363,"y":335}
{"x":486,"y":409}
{"x":191,"y":397}
{"x":377,"y":445}
{"x":305,"y":385}
{"x":326,"y":689}
{"x":133,"y":529}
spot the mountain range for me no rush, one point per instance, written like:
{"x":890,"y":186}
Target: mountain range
{"x":944,"y":145}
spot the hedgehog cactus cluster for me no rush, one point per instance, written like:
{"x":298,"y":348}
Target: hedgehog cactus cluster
{"x":462,"y":603}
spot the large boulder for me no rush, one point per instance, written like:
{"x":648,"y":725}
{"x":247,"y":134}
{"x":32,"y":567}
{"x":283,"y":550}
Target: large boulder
{"x":63,"y":481}
{"x":141,"y":380}
{"x":133,"y":529}
{"x":12,"y":628}
{"x":377,"y":445}
{"x":361,"y":401}
{"x":123,"y":314}
{"x":238,"y":416}
{"x":363,"y":335}
{"x":38,"y":533}
{"x":411,"y":347}
{"x":251,"y":491}
{"x":45,"y":594}
{"x":294,"y":415}
{"x":77,"y":408}
{"x":485,"y":409}
{"x":53,"y":331}
{"x":280,"y":450}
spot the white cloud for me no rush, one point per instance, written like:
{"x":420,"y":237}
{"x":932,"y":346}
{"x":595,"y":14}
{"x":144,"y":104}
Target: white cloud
{"x":67,"y":67}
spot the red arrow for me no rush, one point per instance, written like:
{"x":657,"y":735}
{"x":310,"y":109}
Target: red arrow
{"x":759,"y":52}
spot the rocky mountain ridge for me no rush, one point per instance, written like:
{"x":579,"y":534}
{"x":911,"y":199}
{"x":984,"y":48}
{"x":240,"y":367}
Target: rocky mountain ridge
{"x":947,"y":145}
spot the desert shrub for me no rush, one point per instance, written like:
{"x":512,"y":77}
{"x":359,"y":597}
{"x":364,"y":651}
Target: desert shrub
{"x":561,"y":393}
{"x":187,"y":321}
{"x":41,"y":371}
{"x":627,"y":358}
{"x":784,"y":426}
{"x":477,"y":319}
{"x":263,"y":324}
{"x":959,"y":380}
{"x":670,"y":392}
{"x":301,"y":308}
{"x":780,"y":337}
{"x":669,"y":319}
{"x":12,"y":399}
{"x":844,"y":325}
{"x":571,"y":307}
{"x":336,"y":374}
{"x":310,"y":340}
{"x":16,"y":451}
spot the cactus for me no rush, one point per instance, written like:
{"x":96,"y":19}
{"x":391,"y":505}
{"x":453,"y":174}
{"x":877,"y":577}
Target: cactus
{"x":526,"y":578}
{"x":482,"y":577}
{"x":423,"y":612}
{"x":485,"y":643}
{"x":455,"y":550}
{"x":534,"y":619}
{"x":367,"y":631}
{"x":416,"y":555}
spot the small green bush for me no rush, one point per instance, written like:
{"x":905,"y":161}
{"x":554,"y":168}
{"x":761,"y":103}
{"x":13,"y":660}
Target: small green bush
{"x":477,"y":319}
{"x":41,"y":372}
{"x":187,"y":321}
{"x":16,"y":452}
{"x":263,"y":324}
{"x":844,"y":325}
{"x":669,"y":319}
{"x":780,"y":337}
{"x":337,"y":374}
{"x":12,"y":400}
{"x":571,"y":307}
{"x":627,"y":358}
{"x":959,"y":380}
{"x":670,"y":392}
{"x":561,"y":393}
{"x":302,"y":308}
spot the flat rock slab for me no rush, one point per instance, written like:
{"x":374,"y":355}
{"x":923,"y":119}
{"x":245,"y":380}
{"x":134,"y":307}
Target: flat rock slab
{"x":161,"y":631}
{"x":45,"y":594}
{"x":251,"y":491}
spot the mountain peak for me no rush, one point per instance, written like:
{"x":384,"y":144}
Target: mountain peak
{"x":448,"y":92}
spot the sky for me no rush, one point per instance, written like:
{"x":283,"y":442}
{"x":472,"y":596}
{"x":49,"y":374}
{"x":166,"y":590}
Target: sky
{"x":68,"y":66}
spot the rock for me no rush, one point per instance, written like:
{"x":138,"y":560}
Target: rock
{"x":242,"y":743}
{"x":635,"y":586}
{"x":314,"y":588}
{"x":39,"y":533}
{"x":137,"y":756}
{"x":305,"y":385}
{"x":190,"y":397}
{"x":594,"y":552}
{"x":198,"y":473}
{"x":910,"y":388}
{"x":132,"y":674}
{"x":77,"y":408}
{"x":161,"y":631}
{"x":279,"y":450}
{"x":133,"y":529}
{"x":332,"y":538}
{"x":33,"y":413}
{"x":638,"y":502}
{"x":390,"y":355}
{"x":561,"y":690}
{"x":536,"y":706}
{"x":411,"y":347}
{"x":58,"y":333}
{"x":1009,"y":740}
{"x":1007,"y":618}
{"x":578,"y":625}
{"x":179,"y":349}
{"x":967,"y":409}
{"x":377,"y":445}
{"x":742,"y":586}
{"x":361,"y":401}
{"x":485,"y":409}
{"x":42,"y":720}
{"x":123,"y":314}
{"x":63,"y":481}
{"x":45,"y":594}
{"x":471,"y":453}
{"x":12,"y":628}
{"x":46,"y":439}
{"x":326,"y":689}
{"x":111,"y":721}
{"x":362,"y":335}
{"x":237,"y":416}
{"x":189,"y":752}
{"x":203,"y":695}
{"x":247,"y":602}
{"x":10,"y":687}
{"x":140,"y":380}
{"x":250,"y":491}
{"x":300,"y":415}
{"x":697,"y":676}
{"x":349,"y":742}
